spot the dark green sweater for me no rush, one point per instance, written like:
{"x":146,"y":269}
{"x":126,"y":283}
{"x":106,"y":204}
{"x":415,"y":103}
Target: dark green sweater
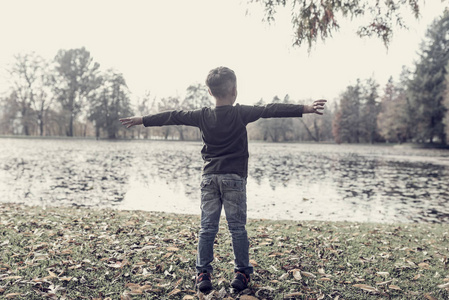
{"x":223,"y":131}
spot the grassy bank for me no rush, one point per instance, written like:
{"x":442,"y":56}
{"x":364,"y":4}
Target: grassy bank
{"x":72,"y":253}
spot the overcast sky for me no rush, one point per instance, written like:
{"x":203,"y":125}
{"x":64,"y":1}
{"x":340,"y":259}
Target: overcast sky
{"x":164,"y":46}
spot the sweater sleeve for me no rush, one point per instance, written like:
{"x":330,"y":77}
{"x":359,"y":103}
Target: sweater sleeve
{"x":173,"y":117}
{"x":272,"y":110}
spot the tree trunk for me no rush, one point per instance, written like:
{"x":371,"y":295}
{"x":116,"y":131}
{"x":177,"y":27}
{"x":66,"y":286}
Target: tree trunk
{"x":70,"y":132}
{"x":308,"y":131}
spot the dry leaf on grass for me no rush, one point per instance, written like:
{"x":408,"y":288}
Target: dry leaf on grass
{"x":367,"y":288}
{"x":308,"y":274}
{"x":444,"y":286}
{"x":394,"y":287}
{"x":429,"y":297}
{"x":297,"y":274}
{"x":254,"y":263}
{"x":424,"y":266}
{"x":383,"y":274}
{"x":292,"y":295}
{"x":174,"y":292}
{"x":12,"y":295}
{"x":248,"y":297}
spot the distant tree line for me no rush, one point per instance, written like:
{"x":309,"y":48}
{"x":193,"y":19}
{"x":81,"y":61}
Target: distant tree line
{"x":71,"y":96}
{"x":68,"y":96}
{"x":414,"y":109}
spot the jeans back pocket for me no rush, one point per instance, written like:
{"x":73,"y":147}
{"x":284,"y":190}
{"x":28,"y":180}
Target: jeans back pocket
{"x":233,"y":185}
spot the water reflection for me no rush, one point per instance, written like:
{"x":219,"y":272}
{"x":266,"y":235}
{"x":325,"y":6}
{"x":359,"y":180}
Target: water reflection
{"x":286,"y":181}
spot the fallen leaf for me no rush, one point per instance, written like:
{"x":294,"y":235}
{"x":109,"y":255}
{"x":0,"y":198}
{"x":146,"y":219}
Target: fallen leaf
{"x":367,"y":288}
{"x":12,"y":295}
{"x":308,"y":274}
{"x":297,"y":274}
{"x":444,"y":286}
{"x":136,"y":292}
{"x":292,"y":295}
{"x":417,"y":276}
{"x":132,"y":286}
{"x":254,"y":263}
{"x":384,"y":282}
{"x":174,"y":292}
{"x":248,"y":297}
{"x":187,"y":297}
{"x":325,"y":279}
{"x":172,"y":249}
{"x":383,"y":274}
{"x":11,"y":277}
{"x":126,"y":296}
{"x":65,"y":278}
{"x":221,"y":280}
{"x":394,"y":287}
{"x":412,"y":264}
{"x":429,"y":297}
{"x":146,"y":287}
{"x":424,"y":266}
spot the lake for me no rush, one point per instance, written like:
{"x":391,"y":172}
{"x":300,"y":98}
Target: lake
{"x":286,"y":181}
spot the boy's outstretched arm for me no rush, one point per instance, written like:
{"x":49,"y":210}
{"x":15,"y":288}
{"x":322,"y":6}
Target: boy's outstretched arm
{"x":316,"y":108}
{"x":131,"y":121}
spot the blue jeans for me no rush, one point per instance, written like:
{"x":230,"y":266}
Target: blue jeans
{"x":228,"y":191}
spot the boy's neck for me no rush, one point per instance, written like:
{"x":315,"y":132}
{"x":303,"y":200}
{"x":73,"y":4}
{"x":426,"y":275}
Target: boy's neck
{"x":224,"y":102}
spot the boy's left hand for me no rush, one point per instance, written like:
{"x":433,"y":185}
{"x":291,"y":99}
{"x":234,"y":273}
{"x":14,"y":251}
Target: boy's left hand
{"x":131,"y":121}
{"x":316,"y":108}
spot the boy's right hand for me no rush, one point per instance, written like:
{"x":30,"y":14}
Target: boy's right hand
{"x":131,"y":121}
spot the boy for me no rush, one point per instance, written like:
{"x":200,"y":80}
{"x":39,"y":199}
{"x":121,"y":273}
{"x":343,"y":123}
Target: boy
{"x":225,"y":156}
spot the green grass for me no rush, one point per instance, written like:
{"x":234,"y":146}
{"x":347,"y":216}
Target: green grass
{"x":79,"y":253}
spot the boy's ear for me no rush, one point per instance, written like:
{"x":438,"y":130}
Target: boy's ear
{"x":210,"y":93}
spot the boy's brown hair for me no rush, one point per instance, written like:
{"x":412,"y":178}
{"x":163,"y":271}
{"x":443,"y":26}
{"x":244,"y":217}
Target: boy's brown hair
{"x":221,"y":81}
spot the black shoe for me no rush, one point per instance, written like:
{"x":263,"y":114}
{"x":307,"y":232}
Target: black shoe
{"x":203,"y":282}
{"x":240,"y":281}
